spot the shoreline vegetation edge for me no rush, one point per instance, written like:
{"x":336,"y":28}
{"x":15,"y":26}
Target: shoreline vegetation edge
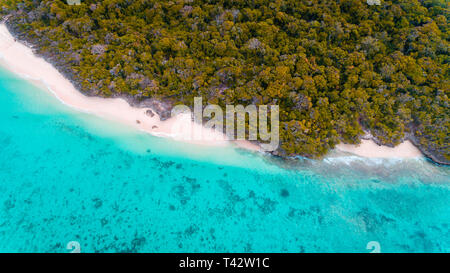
{"x":137,"y":110}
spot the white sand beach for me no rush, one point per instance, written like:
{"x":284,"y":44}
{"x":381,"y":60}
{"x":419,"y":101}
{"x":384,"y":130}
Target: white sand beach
{"x":21,"y":60}
{"x":368,"y":148}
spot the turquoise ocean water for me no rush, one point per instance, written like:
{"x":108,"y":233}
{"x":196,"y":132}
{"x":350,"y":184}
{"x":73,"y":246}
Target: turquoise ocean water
{"x":68,"y":176}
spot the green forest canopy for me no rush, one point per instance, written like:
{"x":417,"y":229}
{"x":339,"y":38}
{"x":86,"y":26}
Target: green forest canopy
{"x":334,"y":67}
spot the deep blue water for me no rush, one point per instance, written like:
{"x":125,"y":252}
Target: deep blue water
{"x":68,"y":176}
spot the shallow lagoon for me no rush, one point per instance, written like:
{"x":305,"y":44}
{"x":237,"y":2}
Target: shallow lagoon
{"x":68,"y":176}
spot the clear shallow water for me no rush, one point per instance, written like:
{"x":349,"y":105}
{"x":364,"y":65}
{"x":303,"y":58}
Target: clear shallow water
{"x":67,"y":176}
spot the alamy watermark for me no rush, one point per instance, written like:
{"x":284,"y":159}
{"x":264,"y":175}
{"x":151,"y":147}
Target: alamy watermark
{"x":73,"y":2}
{"x":236,"y":127}
{"x":74,"y":246}
{"x":374,"y":246}
{"x":374,"y":2}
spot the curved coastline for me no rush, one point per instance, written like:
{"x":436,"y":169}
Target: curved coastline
{"x":20,"y":58}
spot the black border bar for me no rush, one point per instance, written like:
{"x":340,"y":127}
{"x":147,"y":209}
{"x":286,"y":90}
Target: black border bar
{"x":229,"y":262}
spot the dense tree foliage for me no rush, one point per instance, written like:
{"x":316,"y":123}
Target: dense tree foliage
{"x":335,"y":67}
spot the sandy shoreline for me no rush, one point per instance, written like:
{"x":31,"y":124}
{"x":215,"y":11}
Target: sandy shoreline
{"x":20,"y":59}
{"x":368,"y":148}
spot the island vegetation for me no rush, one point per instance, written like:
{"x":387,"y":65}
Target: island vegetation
{"x":338,"y":69}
